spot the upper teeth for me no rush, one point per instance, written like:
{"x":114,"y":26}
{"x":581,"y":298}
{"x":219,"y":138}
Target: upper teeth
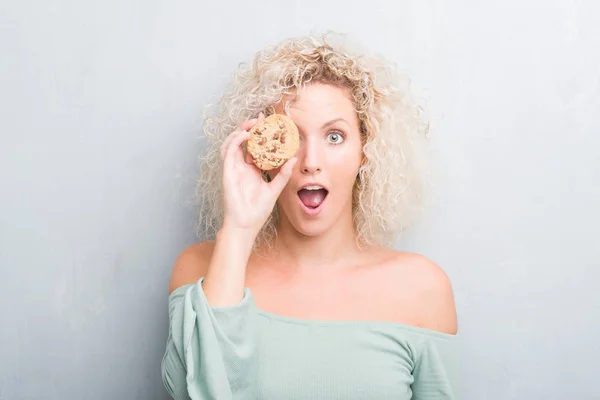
{"x":313,"y":187}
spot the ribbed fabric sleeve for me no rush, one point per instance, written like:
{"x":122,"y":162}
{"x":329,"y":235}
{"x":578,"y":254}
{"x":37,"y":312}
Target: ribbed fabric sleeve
{"x":211,"y":352}
{"x":436,"y":373}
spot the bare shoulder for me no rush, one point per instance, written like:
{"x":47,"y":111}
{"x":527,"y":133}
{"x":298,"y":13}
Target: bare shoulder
{"x":429,"y":288}
{"x":191,"y":264}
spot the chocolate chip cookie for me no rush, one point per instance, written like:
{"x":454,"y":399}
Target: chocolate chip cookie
{"x":274,"y":140}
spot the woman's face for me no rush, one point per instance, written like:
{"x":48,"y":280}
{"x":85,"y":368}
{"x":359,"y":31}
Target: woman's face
{"x":319,"y":193}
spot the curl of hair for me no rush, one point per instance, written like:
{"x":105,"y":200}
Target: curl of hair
{"x":389,"y":186}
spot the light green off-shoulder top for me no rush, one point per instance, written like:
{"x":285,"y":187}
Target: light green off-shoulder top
{"x":242,"y":352}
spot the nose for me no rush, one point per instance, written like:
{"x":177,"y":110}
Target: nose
{"x":311,"y":156}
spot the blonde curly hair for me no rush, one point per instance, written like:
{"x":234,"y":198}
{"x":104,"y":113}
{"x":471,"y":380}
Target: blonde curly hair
{"x":389,"y":184}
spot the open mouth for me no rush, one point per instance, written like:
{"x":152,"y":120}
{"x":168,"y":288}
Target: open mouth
{"x":312,"y":197}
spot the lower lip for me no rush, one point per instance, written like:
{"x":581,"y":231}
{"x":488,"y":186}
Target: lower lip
{"x":312,"y":212}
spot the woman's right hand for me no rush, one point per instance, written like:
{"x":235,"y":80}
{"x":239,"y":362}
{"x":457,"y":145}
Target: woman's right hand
{"x":248,"y":199}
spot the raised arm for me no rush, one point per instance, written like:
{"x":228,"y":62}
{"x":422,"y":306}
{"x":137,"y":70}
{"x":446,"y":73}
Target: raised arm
{"x":211,"y":348}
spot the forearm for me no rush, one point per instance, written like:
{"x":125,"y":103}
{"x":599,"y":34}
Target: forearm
{"x":224,"y":282}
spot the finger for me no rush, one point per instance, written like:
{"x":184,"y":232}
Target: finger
{"x":246,"y":125}
{"x":282,"y":178}
{"x":247,"y":156}
{"x":234,"y":149}
{"x":226,"y":142}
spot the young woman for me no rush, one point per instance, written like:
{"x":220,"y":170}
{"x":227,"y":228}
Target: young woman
{"x":299,"y":296}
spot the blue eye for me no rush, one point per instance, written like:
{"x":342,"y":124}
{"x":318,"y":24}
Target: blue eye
{"x":335,"y":137}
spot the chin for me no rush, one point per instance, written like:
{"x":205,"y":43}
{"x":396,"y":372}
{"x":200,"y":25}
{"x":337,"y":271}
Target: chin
{"x":310,"y":228}
{"x":307,"y":224}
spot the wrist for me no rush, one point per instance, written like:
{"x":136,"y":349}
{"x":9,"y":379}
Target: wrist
{"x":224,"y":280}
{"x":239,"y":238}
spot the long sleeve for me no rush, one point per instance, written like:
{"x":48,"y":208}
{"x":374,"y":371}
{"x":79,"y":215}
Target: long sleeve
{"x":436,"y":373}
{"x":211,"y":352}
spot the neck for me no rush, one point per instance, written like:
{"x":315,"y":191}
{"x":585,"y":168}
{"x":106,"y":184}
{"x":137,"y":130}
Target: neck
{"x":333,"y":248}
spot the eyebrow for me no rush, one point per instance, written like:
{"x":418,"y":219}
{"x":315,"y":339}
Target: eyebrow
{"x":333,"y":121}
